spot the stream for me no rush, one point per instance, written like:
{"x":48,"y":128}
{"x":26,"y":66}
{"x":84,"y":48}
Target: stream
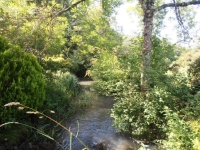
{"x":94,"y":127}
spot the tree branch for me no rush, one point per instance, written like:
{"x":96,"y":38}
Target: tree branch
{"x":53,"y":15}
{"x":68,"y":8}
{"x":183,"y":4}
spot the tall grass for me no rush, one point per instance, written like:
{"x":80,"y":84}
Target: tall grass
{"x":64,"y":95}
{"x":35,"y":112}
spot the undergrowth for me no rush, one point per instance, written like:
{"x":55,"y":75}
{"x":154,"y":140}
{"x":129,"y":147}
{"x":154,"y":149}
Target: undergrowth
{"x":64,"y":96}
{"x":40,"y":131}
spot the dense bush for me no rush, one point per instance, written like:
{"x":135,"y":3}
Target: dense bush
{"x":146,"y":116}
{"x":194,"y":74}
{"x":3,"y":44}
{"x":183,"y":131}
{"x":108,"y":74}
{"x":106,"y":67}
{"x":61,"y":92}
{"x":65,"y":95}
{"x":179,"y":133}
{"x":142,"y":117}
{"x":116,"y":71}
{"x":21,"y":80}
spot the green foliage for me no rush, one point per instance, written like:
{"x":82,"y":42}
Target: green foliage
{"x":106,"y":70}
{"x":145,"y":115}
{"x":108,"y":88}
{"x":187,"y":57}
{"x":142,"y":117}
{"x":3,"y":44}
{"x":57,"y":62}
{"x":60,"y":94}
{"x":31,"y":27}
{"x":106,"y":67}
{"x":90,"y":33}
{"x":85,"y":98}
{"x":179,"y":133}
{"x":116,"y":71}
{"x":194,"y":74}
{"x":21,"y":80}
{"x":13,"y":136}
{"x":195,"y":127}
{"x":70,"y":82}
{"x":162,"y":56}
{"x":109,"y":5}
{"x":78,"y":35}
{"x":40,"y":130}
{"x":64,"y":94}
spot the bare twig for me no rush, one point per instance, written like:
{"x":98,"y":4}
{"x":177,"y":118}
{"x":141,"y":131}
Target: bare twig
{"x":180,"y":20}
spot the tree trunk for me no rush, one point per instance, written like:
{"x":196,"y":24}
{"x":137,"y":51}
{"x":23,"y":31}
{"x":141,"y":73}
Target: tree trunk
{"x":148,"y":11}
{"x":147,"y":43}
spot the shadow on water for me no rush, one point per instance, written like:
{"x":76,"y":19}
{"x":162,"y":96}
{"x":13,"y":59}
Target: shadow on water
{"x":94,"y":126}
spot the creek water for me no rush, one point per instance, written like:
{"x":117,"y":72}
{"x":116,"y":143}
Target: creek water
{"x":93,"y":126}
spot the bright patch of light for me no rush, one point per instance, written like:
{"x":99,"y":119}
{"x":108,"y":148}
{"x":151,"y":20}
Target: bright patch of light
{"x":128,"y":22}
{"x":129,"y":25}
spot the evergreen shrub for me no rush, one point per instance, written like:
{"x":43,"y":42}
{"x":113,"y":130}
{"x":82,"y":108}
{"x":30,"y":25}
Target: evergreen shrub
{"x":21,"y":80}
{"x":141,"y":117}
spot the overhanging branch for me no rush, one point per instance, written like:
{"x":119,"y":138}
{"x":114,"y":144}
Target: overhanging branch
{"x":180,"y":21}
{"x":55,"y":14}
{"x":68,"y":8}
{"x":183,"y":4}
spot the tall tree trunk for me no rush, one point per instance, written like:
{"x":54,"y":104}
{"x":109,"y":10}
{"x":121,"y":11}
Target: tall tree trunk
{"x":148,"y":10}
